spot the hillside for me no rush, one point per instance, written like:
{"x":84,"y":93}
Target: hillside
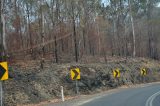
{"x":30,"y":84}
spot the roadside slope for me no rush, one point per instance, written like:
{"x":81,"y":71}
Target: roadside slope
{"x":30,"y":84}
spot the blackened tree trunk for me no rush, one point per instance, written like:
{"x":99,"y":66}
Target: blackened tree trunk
{"x":56,"y":51}
{"x":75,"y":41}
{"x":29,"y":30}
{"x":74,"y":30}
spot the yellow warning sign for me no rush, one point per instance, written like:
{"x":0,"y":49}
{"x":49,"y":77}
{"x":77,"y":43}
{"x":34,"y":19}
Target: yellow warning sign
{"x":116,"y":73}
{"x":75,"y":74}
{"x":3,"y":71}
{"x":143,"y":72}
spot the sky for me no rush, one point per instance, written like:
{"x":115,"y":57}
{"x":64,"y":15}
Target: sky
{"x":105,"y":3}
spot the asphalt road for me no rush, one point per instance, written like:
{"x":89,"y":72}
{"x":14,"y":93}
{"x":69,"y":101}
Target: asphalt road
{"x":143,"y":96}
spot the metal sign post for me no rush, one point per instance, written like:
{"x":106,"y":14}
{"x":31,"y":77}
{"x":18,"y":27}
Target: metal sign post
{"x":3,"y":76}
{"x":1,"y":93}
{"x":75,"y":75}
{"x":77,"y":88}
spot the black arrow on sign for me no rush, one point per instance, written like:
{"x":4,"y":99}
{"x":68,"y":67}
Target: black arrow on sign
{"x":116,"y":73}
{"x":2,"y":71}
{"x":76,"y":74}
{"x":144,"y":71}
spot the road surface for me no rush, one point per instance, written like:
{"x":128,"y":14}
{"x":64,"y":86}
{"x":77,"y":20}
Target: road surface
{"x":143,"y":96}
{"x":140,"y":95}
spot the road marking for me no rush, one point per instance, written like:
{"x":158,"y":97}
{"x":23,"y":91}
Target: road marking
{"x":151,"y":98}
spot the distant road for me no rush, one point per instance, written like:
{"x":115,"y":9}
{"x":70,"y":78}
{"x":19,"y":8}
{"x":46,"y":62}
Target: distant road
{"x":144,"y":96}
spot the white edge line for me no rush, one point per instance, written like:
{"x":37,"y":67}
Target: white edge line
{"x":151,"y":98}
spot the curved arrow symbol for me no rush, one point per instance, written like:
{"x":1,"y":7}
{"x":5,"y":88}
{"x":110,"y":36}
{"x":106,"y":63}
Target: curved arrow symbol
{"x":116,"y":73}
{"x":2,"y":71}
{"x":76,"y":74}
{"x":144,"y":71}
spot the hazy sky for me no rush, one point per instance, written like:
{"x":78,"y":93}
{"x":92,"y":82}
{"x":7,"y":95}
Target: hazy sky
{"x":107,"y":1}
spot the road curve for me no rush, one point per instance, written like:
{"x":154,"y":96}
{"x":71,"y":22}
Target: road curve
{"x":143,"y":96}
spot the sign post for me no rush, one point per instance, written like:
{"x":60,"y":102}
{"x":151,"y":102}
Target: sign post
{"x":77,"y":88}
{"x":1,"y":93}
{"x":3,"y":76}
{"x":75,"y":75}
